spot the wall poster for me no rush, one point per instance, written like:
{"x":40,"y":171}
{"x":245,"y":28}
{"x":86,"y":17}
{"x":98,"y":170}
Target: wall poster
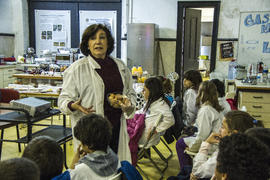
{"x":226,"y":51}
{"x":52,"y":30}
{"x":108,"y":18}
{"x":254,"y":38}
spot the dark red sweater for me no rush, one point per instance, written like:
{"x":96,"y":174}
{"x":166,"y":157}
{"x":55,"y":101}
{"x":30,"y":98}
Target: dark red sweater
{"x":111,"y":77}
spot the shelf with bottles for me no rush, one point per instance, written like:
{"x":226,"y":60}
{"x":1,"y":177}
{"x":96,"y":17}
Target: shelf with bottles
{"x":138,"y":74}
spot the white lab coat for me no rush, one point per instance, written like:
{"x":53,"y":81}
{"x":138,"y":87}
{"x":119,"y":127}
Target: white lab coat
{"x":81,"y":81}
{"x":189,"y":108}
{"x":208,"y":120}
{"x":156,"y":108}
{"x":224,"y":104}
{"x":203,"y":165}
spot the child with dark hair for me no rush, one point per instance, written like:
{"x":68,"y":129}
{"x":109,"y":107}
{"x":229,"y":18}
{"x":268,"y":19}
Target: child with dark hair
{"x":156,"y":104}
{"x":208,"y":120}
{"x":221,"y":96}
{"x":47,"y":154}
{"x":260,"y":133}
{"x":242,"y":157}
{"x":19,"y":169}
{"x":192,"y":81}
{"x":233,"y":122}
{"x":167,"y":87}
{"x":94,"y":158}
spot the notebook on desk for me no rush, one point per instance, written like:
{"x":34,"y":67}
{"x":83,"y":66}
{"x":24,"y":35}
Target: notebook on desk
{"x":33,"y":105}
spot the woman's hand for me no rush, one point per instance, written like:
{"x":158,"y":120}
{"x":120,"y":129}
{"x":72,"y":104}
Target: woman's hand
{"x":77,"y":106}
{"x":78,"y":155}
{"x":126,"y":105}
{"x":193,"y":177}
{"x":214,"y":138}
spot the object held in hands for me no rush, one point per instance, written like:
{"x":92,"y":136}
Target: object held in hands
{"x":117,"y":100}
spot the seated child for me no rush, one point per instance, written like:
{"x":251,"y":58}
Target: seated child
{"x":242,"y":157}
{"x":94,"y":158}
{"x":167,"y":88}
{"x":192,"y":81}
{"x":208,"y":120}
{"x":156,"y":104}
{"x":233,"y":122}
{"x":47,"y":154}
{"x":221,"y":96}
{"x":19,"y":169}
{"x":262,"y":134}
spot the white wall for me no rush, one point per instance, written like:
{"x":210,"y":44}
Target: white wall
{"x":161,"y":12}
{"x":229,"y":21}
{"x":6,"y":16}
{"x":14,"y":20}
{"x":20,"y":26}
{"x":164,"y":14}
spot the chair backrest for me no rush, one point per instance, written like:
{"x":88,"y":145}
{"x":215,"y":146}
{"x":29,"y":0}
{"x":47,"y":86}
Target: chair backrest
{"x":118,"y":176}
{"x":175,"y":130}
{"x":8,"y":95}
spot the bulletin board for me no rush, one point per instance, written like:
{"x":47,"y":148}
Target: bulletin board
{"x":52,"y":30}
{"x":254,"y":38}
{"x":108,"y":18}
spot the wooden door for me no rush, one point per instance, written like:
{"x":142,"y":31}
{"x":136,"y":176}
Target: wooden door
{"x":192,"y":34}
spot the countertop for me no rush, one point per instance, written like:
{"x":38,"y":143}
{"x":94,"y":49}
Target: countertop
{"x":240,"y":85}
{"x":8,"y":66}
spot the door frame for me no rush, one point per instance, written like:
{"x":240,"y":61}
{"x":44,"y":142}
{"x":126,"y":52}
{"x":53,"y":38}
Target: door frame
{"x":179,"y":66}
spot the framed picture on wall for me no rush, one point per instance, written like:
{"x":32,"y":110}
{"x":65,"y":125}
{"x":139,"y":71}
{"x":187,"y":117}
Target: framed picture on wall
{"x":227,"y":49}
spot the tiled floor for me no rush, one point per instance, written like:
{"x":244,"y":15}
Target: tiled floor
{"x":10,"y":150}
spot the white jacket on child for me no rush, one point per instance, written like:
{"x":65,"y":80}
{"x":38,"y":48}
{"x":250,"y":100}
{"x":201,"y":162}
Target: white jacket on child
{"x":97,"y":165}
{"x":224,"y":104}
{"x":156,"y":108}
{"x":208,"y":120}
{"x":203,"y":165}
{"x":189,"y":108}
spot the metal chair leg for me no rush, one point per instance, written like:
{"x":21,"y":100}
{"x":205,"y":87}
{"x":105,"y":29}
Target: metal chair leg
{"x":1,"y":143}
{"x":18,"y":137}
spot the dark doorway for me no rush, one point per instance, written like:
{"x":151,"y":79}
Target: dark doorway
{"x":188,"y":36}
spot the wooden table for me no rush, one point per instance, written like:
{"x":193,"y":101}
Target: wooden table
{"x":37,"y":76}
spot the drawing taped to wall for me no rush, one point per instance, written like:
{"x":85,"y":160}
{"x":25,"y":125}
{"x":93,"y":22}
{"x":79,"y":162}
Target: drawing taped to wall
{"x":254,"y":33}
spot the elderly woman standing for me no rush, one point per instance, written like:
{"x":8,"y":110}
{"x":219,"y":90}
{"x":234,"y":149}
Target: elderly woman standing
{"x":89,"y":81}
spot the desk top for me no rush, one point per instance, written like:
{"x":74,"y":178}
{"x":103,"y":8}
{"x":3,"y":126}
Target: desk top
{"x":37,"y":76}
{"x":20,"y":117}
{"x":239,"y":85}
{"x":38,"y":94}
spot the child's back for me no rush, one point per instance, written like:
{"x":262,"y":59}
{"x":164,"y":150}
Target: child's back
{"x":189,"y":108}
{"x":97,"y":165}
{"x":94,"y":158}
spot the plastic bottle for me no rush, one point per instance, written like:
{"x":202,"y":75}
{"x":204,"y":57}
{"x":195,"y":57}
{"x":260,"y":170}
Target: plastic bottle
{"x":140,"y":70}
{"x":232,"y":70}
{"x":244,"y":108}
{"x":265,"y":76}
{"x":134,"y":70}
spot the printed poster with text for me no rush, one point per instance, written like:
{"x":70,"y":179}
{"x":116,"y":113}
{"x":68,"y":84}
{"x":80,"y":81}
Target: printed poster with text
{"x":254,"y":38}
{"x":52,"y":30}
{"x":107,"y":18}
